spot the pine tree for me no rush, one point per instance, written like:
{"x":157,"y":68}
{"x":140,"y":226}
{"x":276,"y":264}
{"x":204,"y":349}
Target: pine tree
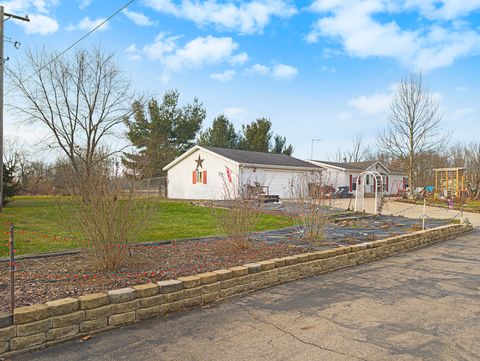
{"x":161,"y":132}
{"x":221,"y":134}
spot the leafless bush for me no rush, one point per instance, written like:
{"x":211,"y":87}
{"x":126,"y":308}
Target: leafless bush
{"x":315,"y":199}
{"x":109,"y":213}
{"x":239,"y":218}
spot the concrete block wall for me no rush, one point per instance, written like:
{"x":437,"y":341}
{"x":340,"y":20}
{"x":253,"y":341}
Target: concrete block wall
{"x":42,"y":325}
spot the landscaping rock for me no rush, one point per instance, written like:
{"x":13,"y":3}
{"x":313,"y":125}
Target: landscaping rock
{"x":190,"y":281}
{"x":6,"y":319}
{"x":121,"y":319}
{"x":19,"y":343}
{"x":4,"y":346}
{"x":67,"y":320}
{"x":150,"y":301}
{"x":207,"y":278}
{"x":92,"y":325}
{"x":125,"y":307}
{"x":253,"y":267}
{"x":122,"y":295}
{"x":239,"y":271}
{"x":100,"y":312}
{"x":170,"y":286}
{"x":223,"y":274}
{"x":63,"y":306}
{"x":62,"y":332}
{"x":144,"y":313}
{"x":146,"y":290}
{"x":30,"y":313}
{"x":87,"y":302}
{"x":7,"y":333}
{"x":174,"y":296}
{"x":34,"y":327}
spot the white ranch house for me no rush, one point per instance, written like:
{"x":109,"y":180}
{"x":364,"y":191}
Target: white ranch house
{"x":345,"y":175}
{"x":205,"y":172}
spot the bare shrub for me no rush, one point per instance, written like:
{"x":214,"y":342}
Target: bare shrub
{"x":240,"y":216}
{"x":315,"y":199}
{"x":109,"y":213}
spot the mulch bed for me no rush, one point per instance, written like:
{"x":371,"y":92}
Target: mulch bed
{"x":44,"y":279}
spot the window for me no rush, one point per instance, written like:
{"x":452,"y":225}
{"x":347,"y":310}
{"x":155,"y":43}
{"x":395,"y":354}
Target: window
{"x":199,"y":177}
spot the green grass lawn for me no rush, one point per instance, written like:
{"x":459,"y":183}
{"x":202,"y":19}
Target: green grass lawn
{"x":47,"y":223}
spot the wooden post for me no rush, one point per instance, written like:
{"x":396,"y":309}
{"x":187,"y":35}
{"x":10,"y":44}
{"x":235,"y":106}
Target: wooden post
{"x":12,"y":268}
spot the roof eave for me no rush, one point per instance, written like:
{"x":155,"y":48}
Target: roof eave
{"x":271,"y":166}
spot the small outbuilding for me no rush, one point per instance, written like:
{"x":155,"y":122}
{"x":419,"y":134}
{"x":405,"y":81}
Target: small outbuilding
{"x":345,"y":175}
{"x":210,"y":173}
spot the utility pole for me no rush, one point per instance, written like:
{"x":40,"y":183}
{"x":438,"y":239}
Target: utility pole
{"x":4,"y":17}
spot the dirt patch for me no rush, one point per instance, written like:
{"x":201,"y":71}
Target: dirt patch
{"x":44,"y":279}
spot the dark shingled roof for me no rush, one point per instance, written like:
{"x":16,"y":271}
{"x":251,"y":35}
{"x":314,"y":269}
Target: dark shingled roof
{"x":350,"y":165}
{"x":358,"y":166}
{"x":261,"y":158}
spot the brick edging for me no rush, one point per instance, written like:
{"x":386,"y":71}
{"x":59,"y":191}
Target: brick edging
{"x":42,"y":325}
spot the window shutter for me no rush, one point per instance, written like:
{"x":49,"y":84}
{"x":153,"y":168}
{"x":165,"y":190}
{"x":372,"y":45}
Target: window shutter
{"x":351,"y":182}
{"x":204,"y":177}
{"x":194,"y":177}
{"x":387,"y":184}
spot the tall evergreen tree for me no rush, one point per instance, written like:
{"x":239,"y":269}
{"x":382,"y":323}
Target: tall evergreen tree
{"x":221,"y":134}
{"x":257,"y":136}
{"x":10,"y":186}
{"x":280,"y":145}
{"x":161,"y":132}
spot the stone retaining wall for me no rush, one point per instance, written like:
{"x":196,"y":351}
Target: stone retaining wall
{"x":42,"y":325}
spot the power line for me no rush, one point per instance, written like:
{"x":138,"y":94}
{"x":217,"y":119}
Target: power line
{"x":76,"y":42}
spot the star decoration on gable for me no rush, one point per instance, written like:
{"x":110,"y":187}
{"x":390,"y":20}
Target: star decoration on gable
{"x":199,"y":162}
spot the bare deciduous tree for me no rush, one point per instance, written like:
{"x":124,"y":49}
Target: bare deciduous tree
{"x":109,"y":211}
{"x":472,"y":162}
{"x":240,"y":216}
{"x":81,"y":98}
{"x":414,"y":127}
{"x":357,"y":153}
{"x":315,"y":199}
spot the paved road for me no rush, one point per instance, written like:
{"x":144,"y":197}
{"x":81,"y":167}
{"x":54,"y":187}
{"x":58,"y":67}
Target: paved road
{"x":421,"y":305}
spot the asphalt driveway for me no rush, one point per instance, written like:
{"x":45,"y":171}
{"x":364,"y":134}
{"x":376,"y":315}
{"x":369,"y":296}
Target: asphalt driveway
{"x":419,"y":305}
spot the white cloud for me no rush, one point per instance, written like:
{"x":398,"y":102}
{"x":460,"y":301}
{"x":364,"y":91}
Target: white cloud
{"x":87,"y":24}
{"x":445,"y":9}
{"x":40,"y":24}
{"x":344,"y":116}
{"x":84,"y":3}
{"x":138,"y":18}
{"x":133,"y":53}
{"x":259,"y":69}
{"x":278,"y":71}
{"x":283,"y":71}
{"x":41,"y":21}
{"x":41,"y":6}
{"x":246,"y":17}
{"x":357,"y":27}
{"x":197,"y":53}
{"x":162,"y":45}
{"x":378,"y":104}
{"x":374,"y":104}
{"x":239,"y":59}
{"x":236,"y":114}
{"x":328,"y":69}
{"x":225,"y":76}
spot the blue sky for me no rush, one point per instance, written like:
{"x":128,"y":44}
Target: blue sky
{"x":319,"y":69}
